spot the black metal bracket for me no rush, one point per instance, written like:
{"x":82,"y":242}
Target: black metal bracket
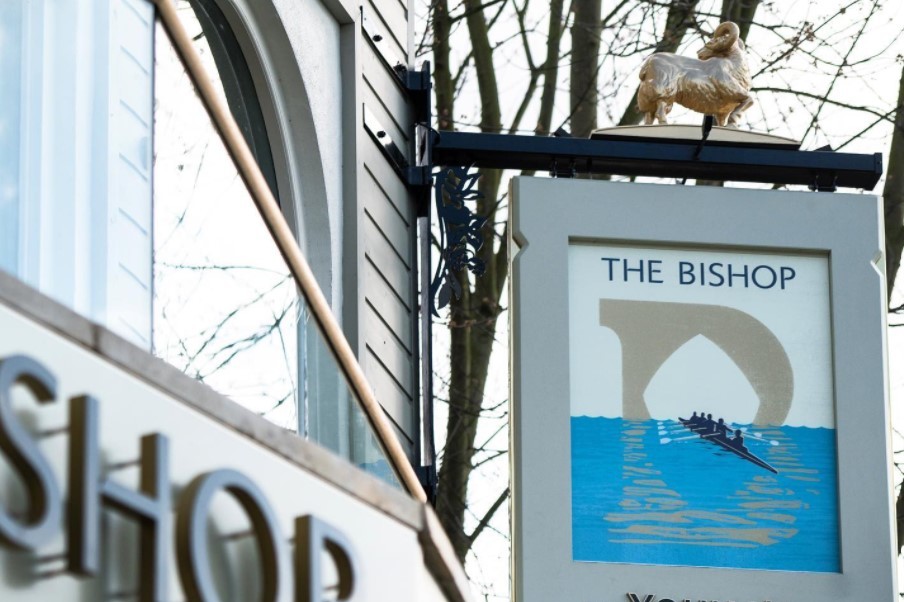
{"x":558,"y":171}
{"x":660,"y":158}
{"x":564,"y":157}
{"x":828,"y":183}
{"x":708,"y":122}
{"x":380,"y":40}
{"x":418,"y":177}
{"x":825,"y":182}
{"x":459,"y":233}
{"x":706,"y":128}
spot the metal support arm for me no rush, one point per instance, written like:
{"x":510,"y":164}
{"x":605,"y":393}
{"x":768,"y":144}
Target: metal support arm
{"x":821,"y":170}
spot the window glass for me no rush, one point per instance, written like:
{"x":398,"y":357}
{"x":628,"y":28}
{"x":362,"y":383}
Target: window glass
{"x":226,"y":308}
{"x":11,"y":60}
{"x":75,"y":156}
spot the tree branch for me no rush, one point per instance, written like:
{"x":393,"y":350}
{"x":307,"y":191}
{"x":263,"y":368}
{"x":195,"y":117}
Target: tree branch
{"x":488,"y":516}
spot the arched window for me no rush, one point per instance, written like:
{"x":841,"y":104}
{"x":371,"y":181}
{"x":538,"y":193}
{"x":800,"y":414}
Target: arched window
{"x":217,"y":40}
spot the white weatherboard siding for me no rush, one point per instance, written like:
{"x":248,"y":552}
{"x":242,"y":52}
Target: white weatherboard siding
{"x":129,"y":261}
{"x":85,"y":154}
{"x":386,"y":217}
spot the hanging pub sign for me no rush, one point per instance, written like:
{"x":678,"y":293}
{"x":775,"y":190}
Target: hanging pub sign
{"x":699,"y":404}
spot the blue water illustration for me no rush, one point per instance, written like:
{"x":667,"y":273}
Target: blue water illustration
{"x":653,"y":492}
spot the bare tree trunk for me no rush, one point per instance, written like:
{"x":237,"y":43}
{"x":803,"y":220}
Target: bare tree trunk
{"x":678,"y":21}
{"x":585,"y":54}
{"x":472,"y":317}
{"x":741,"y":12}
{"x":550,"y":68}
{"x":893,"y":195}
{"x":442,"y":70}
{"x":490,"y":111}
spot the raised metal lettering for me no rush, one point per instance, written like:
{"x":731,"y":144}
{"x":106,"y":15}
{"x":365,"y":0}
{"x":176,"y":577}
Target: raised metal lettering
{"x":44,"y":508}
{"x":150,"y":506}
{"x":312,"y":536}
{"x":191,"y":535}
{"x":83,"y":513}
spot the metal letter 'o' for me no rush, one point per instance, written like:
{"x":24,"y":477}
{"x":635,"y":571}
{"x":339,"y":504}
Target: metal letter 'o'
{"x":191,"y":534}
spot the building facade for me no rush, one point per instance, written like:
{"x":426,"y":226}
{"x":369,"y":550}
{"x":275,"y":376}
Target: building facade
{"x":136,"y":140}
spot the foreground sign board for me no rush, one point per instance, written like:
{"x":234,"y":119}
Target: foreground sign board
{"x":124,"y":479}
{"x":699,"y":395}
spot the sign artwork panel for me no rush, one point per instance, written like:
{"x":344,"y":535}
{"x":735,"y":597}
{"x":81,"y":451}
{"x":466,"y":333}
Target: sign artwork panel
{"x":702,"y":409}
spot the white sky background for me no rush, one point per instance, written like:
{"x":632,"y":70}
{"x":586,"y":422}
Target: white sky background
{"x":219,"y":280}
{"x":870,"y":79}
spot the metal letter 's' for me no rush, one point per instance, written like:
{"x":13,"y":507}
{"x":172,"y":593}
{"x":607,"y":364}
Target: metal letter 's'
{"x":191,"y":535}
{"x":44,"y":508}
{"x":312,"y":536}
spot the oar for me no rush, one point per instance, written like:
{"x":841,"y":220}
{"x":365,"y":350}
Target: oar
{"x":664,"y":440}
{"x":746,"y":439}
{"x":675,"y":427}
{"x":759,"y":439}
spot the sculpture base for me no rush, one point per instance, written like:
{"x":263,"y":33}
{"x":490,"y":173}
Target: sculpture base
{"x":685,"y":133}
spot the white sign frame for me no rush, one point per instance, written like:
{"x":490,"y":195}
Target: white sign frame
{"x":549,"y":215}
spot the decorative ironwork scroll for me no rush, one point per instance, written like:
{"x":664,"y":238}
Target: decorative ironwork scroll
{"x":459,"y":231}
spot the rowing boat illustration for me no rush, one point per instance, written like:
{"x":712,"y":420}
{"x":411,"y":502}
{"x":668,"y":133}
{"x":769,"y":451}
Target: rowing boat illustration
{"x":739,"y":449}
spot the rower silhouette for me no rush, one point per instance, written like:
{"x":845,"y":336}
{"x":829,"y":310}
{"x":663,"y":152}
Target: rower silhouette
{"x":738,"y":441}
{"x":718,"y":434}
{"x":722,"y":429}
